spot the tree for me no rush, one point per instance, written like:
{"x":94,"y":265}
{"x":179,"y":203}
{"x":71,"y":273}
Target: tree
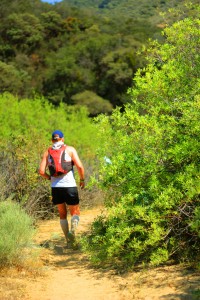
{"x":53,"y":24}
{"x":23,"y":31}
{"x":94,"y":103}
{"x":11,"y":80}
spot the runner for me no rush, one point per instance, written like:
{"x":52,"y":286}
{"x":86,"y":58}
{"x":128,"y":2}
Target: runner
{"x":63,"y":186}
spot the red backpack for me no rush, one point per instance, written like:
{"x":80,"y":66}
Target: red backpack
{"x":57,"y":163}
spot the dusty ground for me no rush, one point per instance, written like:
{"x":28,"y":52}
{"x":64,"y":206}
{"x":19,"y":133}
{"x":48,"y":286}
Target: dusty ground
{"x":65,"y":274}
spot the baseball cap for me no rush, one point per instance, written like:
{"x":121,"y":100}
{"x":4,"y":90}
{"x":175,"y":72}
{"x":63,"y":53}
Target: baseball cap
{"x":57,"y":134}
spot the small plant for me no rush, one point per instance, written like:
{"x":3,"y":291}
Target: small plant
{"x":16,"y":233}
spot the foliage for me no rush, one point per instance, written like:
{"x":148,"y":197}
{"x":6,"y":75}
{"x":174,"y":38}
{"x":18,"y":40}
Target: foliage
{"x":23,"y":31}
{"x":61,"y":50}
{"x":152,"y":181}
{"x":16,"y":233}
{"x":25,"y":129}
{"x":10,"y":74}
{"x":93,"y":102}
{"x":130,"y":8}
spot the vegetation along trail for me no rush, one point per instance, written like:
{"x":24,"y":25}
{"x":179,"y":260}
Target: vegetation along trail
{"x":68,"y":274}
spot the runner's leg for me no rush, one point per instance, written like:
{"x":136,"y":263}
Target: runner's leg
{"x":62,"y":209}
{"x":75,"y":213}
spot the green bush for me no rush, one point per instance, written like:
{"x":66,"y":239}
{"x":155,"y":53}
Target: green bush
{"x":25,"y":129}
{"x":152,"y":183}
{"x":16,"y":233}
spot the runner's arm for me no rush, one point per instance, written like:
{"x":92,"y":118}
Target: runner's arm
{"x":79,"y":166}
{"x":43,"y":165}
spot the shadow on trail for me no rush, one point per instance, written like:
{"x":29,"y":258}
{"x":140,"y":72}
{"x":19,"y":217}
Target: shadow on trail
{"x":187,"y":280}
{"x":190,"y":284}
{"x":169,"y":282}
{"x":74,"y":258}
{"x":181,"y":296}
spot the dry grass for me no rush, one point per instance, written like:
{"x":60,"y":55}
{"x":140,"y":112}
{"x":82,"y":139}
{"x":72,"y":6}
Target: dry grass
{"x":13,"y":279}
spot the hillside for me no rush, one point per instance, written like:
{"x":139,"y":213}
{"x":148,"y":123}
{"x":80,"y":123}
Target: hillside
{"x":77,"y":52}
{"x":144,"y":9}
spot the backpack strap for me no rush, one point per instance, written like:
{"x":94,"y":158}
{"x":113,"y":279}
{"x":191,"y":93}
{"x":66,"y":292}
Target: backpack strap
{"x":70,"y":156}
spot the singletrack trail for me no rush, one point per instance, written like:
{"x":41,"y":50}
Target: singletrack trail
{"x":68,"y":275}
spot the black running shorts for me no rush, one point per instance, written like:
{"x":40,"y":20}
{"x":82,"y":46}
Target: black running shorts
{"x":67,"y":195}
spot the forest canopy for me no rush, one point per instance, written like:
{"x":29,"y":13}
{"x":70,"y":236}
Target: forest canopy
{"x":71,"y":48}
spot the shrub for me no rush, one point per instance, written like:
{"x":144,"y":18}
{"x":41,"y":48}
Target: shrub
{"x":16,"y":233}
{"x":152,"y":182}
{"x":26,"y":127}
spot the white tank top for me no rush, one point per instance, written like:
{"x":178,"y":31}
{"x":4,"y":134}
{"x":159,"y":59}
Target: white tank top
{"x":66,"y":180}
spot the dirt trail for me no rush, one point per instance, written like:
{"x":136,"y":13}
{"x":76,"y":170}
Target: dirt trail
{"x":68,"y":275}
{"x":68,"y":272}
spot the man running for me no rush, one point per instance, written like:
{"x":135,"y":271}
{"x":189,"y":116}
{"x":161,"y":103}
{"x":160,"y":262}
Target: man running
{"x":63,"y":187}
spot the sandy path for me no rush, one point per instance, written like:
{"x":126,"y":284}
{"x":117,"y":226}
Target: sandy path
{"x":68,"y":273}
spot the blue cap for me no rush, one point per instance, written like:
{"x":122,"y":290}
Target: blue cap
{"x":57,"y":134}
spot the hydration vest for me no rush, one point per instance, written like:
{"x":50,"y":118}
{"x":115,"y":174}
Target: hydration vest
{"x":57,"y":163}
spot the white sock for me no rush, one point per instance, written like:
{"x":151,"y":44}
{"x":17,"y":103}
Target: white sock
{"x":74,"y":223}
{"x":65,"y":227}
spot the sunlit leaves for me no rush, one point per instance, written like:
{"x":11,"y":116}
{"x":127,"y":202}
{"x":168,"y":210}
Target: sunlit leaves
{"x":153,"y":145}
